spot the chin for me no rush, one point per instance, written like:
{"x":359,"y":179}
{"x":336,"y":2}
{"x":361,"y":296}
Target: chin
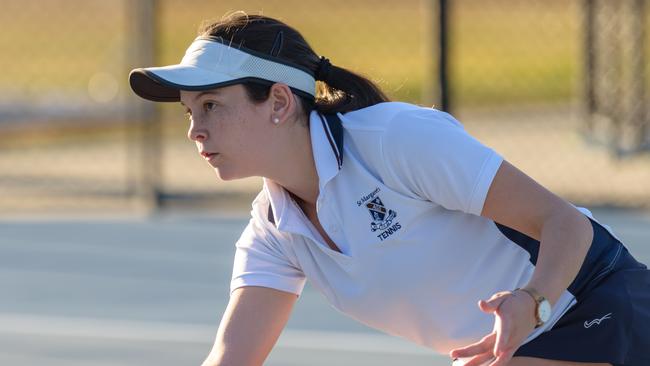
{"x":226,"y":175}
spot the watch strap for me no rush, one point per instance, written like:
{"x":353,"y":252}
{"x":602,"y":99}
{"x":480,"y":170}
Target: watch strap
{"x":538,"y":300}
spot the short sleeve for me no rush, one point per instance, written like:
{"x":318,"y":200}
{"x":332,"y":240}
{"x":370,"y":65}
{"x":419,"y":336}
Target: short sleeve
{"x":429,"y":153}
{"x":259,"y":261}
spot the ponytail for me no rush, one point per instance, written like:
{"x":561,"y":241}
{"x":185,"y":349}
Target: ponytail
{"x":345,"y":91}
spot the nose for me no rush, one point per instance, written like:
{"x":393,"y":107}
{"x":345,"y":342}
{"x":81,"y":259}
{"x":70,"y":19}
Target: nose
{"x":196,"y":134}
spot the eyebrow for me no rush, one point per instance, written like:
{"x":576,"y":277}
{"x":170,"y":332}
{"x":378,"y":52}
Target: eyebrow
{"x":207,"y":92}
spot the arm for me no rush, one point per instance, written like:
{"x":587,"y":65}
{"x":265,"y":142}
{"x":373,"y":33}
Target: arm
{"x":565,"y":234}
{"x":250,"y":326}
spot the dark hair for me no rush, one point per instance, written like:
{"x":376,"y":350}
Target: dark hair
{"x":342,"y":91}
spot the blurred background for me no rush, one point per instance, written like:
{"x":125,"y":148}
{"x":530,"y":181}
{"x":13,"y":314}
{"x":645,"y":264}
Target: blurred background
{"x":95,"y":182}
{"x":559,"y":87}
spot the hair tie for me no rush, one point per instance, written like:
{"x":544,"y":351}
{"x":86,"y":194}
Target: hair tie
{"x":323,"y":71}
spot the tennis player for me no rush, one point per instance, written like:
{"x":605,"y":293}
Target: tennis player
{"x":399,"y":217}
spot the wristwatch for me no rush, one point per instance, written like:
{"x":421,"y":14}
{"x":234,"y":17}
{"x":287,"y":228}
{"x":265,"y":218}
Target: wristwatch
{"x":542,"y":306}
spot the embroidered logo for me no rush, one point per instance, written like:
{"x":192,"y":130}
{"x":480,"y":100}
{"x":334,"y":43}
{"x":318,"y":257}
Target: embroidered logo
{"x":597,"y":321}
{"x":381,"y":216}
{"x":368,"y":197}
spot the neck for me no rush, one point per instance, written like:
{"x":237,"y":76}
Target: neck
{"x":297,"y":169}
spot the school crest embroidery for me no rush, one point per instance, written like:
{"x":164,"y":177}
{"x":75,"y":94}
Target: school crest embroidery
{"x":381,"y":216}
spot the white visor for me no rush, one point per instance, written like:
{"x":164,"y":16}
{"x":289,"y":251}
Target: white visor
{"x":208,"y":63}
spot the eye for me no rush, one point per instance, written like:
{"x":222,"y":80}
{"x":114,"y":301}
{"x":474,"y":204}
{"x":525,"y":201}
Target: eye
{"x":209,"y":106}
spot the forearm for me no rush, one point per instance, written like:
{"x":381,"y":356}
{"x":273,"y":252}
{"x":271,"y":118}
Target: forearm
{"x":250,"y":326}
{"x":565,"y":241}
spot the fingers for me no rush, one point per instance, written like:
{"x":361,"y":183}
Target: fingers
{"x":492,"y":305}
{"x":484,"y":345}
{"x":480,"y":359}
{"x":504,"y":359}
{"x":499,"y":346}
{"x":503,"y":336}
{"x":502,"y":326}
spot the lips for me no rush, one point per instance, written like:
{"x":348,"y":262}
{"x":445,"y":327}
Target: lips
{"x":208,"y":155}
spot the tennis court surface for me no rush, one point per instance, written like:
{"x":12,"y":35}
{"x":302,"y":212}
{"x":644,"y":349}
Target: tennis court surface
{"x":135,"y":291}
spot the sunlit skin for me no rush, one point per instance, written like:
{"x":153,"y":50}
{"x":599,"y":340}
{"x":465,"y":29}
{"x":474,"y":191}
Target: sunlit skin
{"x":248,"y":142}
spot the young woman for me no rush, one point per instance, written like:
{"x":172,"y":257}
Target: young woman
{"x":398,"y":216}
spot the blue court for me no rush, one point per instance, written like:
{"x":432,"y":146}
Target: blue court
{"x":136,"y":291}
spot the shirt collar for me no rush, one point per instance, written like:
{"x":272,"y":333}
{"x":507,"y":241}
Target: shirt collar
{"x":327,"y":145}
{"x":326,"y":133}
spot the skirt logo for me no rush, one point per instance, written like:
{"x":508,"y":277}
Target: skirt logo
{"x":597,"y":321}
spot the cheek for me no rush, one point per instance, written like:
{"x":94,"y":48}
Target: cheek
{"x":251,"y":131}
{"x":242,"y":132}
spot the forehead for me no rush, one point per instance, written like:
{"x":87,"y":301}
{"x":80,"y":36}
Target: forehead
{"x":189,"y":96}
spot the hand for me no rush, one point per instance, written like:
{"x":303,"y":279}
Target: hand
{"x":514,"y":320}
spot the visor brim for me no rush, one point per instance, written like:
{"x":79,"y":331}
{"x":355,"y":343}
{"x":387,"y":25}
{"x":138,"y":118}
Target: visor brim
{"x":163,"y":84}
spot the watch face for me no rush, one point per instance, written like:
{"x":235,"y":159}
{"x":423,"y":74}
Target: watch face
{"x":544,"y":311}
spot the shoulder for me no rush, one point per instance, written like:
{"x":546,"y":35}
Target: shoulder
{"x":370,"y":127}
{"x":422,"y":120}
{"x":396,"y":125}
{"x":394,"y":128}
{"x":261,"y":233}
{"x":261,"y":217}
{"x":260,"y":202}
{"x":385,"y":117}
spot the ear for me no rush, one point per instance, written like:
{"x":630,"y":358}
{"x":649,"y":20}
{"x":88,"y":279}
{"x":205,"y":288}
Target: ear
{"x":283,"y":102}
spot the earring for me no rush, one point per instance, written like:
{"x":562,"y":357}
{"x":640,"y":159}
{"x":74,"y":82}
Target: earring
{"x":276,"y":120}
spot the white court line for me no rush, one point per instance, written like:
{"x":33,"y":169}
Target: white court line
{"x":59,"y":326}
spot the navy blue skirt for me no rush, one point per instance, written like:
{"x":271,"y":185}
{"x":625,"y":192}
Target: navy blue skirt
{"x":610,"y":321}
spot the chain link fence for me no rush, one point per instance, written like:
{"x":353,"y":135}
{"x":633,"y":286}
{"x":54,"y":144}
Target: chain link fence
{"x":553,"y":85}
{"x":530,"y":78}
{"x":62,"y":134}
{"x":616,"y":79}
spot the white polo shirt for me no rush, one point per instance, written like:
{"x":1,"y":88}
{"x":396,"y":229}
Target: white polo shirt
{"x":401,"y":198}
